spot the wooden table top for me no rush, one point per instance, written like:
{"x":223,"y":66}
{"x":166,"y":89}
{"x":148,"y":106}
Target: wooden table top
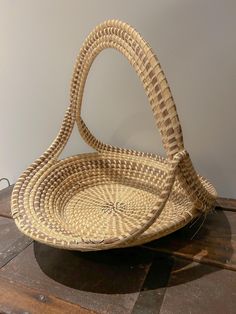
{"x":181,"y":273}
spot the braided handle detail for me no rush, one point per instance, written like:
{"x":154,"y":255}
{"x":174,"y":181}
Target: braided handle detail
{"x":122,"y":37}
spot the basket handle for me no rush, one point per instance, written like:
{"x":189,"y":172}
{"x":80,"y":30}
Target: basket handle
{"x":122,"y":37}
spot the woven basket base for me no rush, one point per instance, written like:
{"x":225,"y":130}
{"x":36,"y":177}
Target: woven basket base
{"x":105,"y":211}
{"x":117,"y":208}
{"x":86,"y":199}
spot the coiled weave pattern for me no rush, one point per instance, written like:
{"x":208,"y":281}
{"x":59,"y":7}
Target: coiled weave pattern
{"x":113,"y":197}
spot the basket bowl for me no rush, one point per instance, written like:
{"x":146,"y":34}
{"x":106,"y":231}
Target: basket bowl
{"x":85,"y":201}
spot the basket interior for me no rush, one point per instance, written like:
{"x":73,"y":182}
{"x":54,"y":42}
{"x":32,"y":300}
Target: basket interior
{"x":96,"y":196}
{"x":93,"y":197}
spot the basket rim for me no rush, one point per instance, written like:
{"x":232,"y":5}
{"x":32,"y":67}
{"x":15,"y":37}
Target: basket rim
{"x":186,"y":216}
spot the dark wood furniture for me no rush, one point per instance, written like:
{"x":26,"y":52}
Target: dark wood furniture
{"x":190,"y":271}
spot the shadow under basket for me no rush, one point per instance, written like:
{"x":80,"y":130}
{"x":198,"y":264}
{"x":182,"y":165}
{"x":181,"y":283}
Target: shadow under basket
{"x":113,"y":197}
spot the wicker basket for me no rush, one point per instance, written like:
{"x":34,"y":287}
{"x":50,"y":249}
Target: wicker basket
{"x":113,"y":197}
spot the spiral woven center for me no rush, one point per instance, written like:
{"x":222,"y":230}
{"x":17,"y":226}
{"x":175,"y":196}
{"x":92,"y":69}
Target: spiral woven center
{"x":114,"y":206}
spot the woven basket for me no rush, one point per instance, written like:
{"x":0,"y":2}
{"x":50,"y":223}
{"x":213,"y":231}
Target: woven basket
{"x":113,"y":197}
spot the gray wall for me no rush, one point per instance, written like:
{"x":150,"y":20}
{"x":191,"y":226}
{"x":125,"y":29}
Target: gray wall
{"x":195,"y":42}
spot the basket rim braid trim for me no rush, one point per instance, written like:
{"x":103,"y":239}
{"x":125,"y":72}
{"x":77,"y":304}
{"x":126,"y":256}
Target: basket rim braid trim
{"x":49,"y":192}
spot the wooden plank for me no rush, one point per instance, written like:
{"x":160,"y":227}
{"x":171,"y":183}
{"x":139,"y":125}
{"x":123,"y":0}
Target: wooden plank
{"x":198,"y":288}
{"x":5,"y":201}
{"x":214,"y":243}
{"x":8,"y":233}
{"x":12,"y":251}
{"x":105,"y":281}
{"x":15,"y":298}
{"x":12,"y":242}
{"x":226,"y":203}
{"x":152,"y":293}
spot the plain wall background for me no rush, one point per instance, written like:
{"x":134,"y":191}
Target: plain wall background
{"x":195,"y":42}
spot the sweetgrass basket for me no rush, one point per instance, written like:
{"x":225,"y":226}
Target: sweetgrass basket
{"x":113,"y":197}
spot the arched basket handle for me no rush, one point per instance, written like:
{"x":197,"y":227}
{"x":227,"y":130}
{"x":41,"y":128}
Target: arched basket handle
{"x":124,"y":38}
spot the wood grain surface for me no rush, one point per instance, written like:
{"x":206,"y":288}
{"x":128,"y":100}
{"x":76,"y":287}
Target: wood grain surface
{"x":15,"y":298}
{"x":211,"y":240}
{"x":5,"y":201}
{"x":198,"y":289}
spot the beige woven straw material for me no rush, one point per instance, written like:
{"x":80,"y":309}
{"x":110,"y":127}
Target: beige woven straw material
{"x":113,"y":197}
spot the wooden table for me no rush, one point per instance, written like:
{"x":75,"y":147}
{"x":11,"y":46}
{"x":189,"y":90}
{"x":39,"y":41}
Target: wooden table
{"x":172,"y":275}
